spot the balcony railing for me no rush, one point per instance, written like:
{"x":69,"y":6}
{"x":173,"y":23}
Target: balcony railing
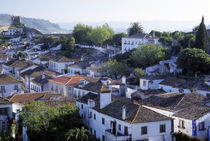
{"x":118,"y":136}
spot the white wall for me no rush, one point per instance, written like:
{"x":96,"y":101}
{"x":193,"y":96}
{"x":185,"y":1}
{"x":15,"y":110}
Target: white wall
{"x":10,"y":89}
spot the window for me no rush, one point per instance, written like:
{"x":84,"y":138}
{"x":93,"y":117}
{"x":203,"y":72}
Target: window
{"x":125,"y":130}
{"x":144,"y":83}
{"x":94,"y":132}
{"x":201,"y":126}
{"x":119,"y":127}
{"x":162,"y":128}
{"x":144,"y":130}
{"x":181,"y":124}
{"x":82,"y":106}
{"x":103,"y":138}
{"x":94,"y":116}
{"x":103,"y":121}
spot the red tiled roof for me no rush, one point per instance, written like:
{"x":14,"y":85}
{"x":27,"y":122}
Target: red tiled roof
{"x":68,"y":80}
{"x":26,"y":97}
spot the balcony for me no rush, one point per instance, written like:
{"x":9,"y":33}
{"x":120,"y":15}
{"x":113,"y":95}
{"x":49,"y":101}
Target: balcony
{"x":110,"y":136}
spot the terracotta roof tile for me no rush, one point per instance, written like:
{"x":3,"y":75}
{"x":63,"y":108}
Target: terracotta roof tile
{"x":68,"y":80}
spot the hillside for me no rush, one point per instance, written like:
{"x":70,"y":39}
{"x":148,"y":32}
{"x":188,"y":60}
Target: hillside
{"x":42,"y":25}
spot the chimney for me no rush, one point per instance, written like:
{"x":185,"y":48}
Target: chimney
{"x":124,"y":80}
{"x":123,"y":112}
{"x":105,"y":97}
{"x":122,"y":90}
{"x":91,"y":103}
{"x":43,"y":76}
{"x":153,"y":34}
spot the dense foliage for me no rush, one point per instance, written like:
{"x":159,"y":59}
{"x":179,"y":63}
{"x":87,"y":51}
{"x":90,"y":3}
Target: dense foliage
{"x":147,"y":55}
{"x":166,"y":39}
{"x":114,"y":69}
{"x":49,"y":123}
{"x":77,"y":134}
{"x":184,"y":137}
{"x":116,"y":40}
{"x":193,"y":60}
{"x":201,"y":37}
{"x":84,"y":34}
{"x":135,"y":28}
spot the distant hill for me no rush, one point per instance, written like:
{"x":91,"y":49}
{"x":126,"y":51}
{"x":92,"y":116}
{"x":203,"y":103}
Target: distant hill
{"x":42,"y":25}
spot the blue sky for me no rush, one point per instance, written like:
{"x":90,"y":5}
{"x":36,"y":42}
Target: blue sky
{"x":108,"y":10}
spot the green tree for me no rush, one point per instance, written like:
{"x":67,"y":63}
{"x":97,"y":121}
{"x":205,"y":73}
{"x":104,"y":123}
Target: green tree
{"x":115,"y":69}
{"x":135,"y":28}
{"x":201,"y":36}
{"x":147,"y":55}
{"x":188,"y":41}
{"x":116,"y":40}
{"x":166,"y":39}
{"x":185,"y":137}
{"x":157,"y":33}
{"x":138,"y":73}
{"x":82,"y":33}
{"x":177,"y":35}
{"x":193,"y":60}
{"x":77,"y":134}
{"x":49,"y":123}
{"x":101,"y":34}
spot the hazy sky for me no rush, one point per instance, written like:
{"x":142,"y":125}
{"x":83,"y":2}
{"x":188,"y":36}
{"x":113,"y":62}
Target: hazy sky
{"x":108,"y":10}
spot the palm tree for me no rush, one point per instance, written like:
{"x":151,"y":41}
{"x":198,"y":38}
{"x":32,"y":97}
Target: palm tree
{"x":135,"y":28}
{"x":77,"y":134}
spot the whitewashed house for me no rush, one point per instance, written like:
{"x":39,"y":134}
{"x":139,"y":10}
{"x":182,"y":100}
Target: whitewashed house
{"x":151,"y":81}
{"x":186,"y":85}
{"x":8,"y":112}
{"x":9,"y":85}
{"x":78,"y":68}
{"x":94,"y":86}
{"x":134,"y":41}
{"x":12,"y":31}
{"x":191,"y":112}
{"x":65,"y":84}
{"x":40,"y":83}
{"x":166,"y":66}
{"x":194,"y":121}
{"x":12,"y":67}
{"x":59,"y":64}
{"x":95,"y":70}
{"x":121,"y":120}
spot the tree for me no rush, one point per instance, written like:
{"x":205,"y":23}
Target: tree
{"x":82,"y":33}
{"x":135,"y":28}
{"x":77,"y":134}
{"x":177,"y":35}
{"x":185,"y":137}
{"x":49,"y":123}
{"x":101,"y":34}
{"x":201,"y":37}
{"x":157,"y":33}
{"x":116,"y":40}
{"x":188,"y":41}
{"x":138,"y":73}
{"x":193,"y":60}
{"x":166,"y":39}
{"x":115,"y":69}
{"x":147,"y":55}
